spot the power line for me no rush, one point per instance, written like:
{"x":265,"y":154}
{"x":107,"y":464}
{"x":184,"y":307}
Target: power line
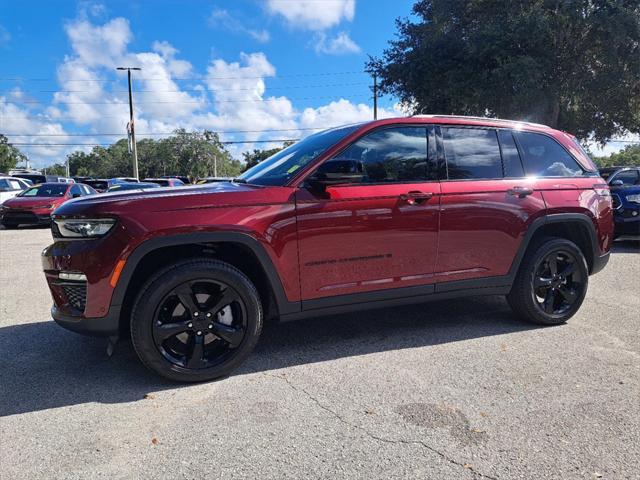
{"x":164,"y":79}
{"x":230,"y":142}
{"x":37,"y":102}
{"x":159,"y":133}
{"x":202,"y":89}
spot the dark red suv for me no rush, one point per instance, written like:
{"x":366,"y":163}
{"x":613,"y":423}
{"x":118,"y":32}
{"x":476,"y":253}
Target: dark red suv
{"x":382,"y":213}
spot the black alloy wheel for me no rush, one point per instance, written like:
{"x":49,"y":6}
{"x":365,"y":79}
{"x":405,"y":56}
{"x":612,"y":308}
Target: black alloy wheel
{"x":199,"y":323}
{"x":557,"y":283}
{"x":196,"y":320}
{"x":551,"y":282}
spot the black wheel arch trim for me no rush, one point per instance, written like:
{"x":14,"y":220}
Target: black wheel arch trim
{"x":597,"y":260}
{"x":133,"y":260}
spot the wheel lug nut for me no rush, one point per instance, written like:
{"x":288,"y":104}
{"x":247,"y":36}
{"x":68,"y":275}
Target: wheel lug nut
{"x":196,"y":314}
{"x":190,"y":325}
{"x":208,"y":315}
{"x":210,"y":326}
{"x":199,"y":332}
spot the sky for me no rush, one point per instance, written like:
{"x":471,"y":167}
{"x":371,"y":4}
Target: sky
{"x":257,"y":71}
{"x":260,"y":70}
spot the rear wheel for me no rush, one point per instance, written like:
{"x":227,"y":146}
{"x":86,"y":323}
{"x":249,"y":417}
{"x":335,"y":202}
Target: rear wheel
{"x":197,"y":320}
{"x":551,"y":283}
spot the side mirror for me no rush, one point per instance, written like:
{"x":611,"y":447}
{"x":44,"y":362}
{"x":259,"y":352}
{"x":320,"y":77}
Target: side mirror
{"x":337,"y":172}
{"x":617,"y":183}
{"x":76,"y":195}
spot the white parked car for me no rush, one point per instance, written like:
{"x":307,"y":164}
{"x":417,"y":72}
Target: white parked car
{"x":10,"y":187}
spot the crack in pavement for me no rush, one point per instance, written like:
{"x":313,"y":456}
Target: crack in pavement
{"x":466,"y":466}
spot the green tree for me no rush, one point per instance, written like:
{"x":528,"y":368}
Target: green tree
{"x":574,"y":65}
{"x":628,"y":156}
{"x":10,"y":156}
{"x":251,"y":159}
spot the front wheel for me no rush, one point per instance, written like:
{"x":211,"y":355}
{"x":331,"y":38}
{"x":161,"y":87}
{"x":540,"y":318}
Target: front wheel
{"x":551,"y":283}
{"x":196,"y":320}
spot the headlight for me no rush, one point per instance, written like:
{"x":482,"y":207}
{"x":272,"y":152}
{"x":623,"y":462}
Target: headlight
{"x":633,"y":198}
{"x":84,"y":227}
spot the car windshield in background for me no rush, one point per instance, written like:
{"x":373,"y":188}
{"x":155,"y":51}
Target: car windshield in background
{"x":279,"y":168}
{"x":132,"y":186}
{"x":47,"y":190}
{"x":97,"y":184}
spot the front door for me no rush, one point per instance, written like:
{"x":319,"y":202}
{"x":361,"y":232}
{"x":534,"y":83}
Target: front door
{"x":379,"y":233}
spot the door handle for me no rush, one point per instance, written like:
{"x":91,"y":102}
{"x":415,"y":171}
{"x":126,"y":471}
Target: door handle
{"x":520,"y":192}
{"x":415,"y":197}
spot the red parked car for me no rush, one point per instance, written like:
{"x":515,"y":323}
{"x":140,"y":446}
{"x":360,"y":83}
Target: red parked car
{"x":389,"y":212}
{"x":35,"y":205}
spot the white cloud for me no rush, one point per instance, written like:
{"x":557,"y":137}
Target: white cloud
{"x":92,"y":99}
{"x":313,"y":14}
{"x":5,"y":37}
{"x":222,"y":18}
{"x":341,"y":44}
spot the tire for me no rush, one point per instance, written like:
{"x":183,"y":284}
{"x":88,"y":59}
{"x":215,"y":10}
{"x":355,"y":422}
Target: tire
{"x":10,"y":226}
{"x":548,"y":295}
{"x":213,"y":338}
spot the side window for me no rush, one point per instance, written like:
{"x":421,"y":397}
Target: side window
{"x":397,"y":154}
{"x":510,"y":156}
{"x":628,"y":177}
{"x":75,"y":190}
{"x":471,"y":153}
{"x":544,"y":157}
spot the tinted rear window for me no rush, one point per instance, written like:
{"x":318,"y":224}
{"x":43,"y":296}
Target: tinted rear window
{"x":47,"y":190}
{"x":544,"y":157}
{"x":472,"y":153}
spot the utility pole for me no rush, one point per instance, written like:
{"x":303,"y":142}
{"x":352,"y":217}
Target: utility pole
{"x":68,"y":169}
{"x":375,"y":96}
{"x":132,"y":130}
{"x":215,"y":165}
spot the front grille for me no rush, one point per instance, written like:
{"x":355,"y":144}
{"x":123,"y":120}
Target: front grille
{"x":76,"y":294}
{"x":20,"y":217}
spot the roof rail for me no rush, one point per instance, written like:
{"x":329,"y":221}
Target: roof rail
{"x":484,"y":119}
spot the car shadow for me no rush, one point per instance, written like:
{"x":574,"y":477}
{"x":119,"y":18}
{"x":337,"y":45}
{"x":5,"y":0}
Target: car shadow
{"x":626,"y":245}
{"x":43,"y":366}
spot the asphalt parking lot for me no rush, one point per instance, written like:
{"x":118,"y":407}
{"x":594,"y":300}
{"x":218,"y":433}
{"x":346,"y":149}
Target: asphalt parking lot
{"x":447,"y":390}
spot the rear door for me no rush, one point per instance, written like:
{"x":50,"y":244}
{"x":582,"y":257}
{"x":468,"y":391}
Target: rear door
{"x":379,"y":233}
{"x":487,"y":204}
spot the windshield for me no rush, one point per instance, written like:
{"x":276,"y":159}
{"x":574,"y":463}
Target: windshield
{"x":279,"y":168}
{"x":46,"y":191}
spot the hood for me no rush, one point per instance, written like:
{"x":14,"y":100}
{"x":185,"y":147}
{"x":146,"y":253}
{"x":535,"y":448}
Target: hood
{"x":32,"y":202}
{"x":168,"y":199}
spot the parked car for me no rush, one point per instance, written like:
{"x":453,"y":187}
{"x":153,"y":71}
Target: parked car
{"x":213,"y":180}
{"x":99,"y":186}
{"x":10,"y":187}
{"x":37,"y":178}
{"x":182,"y":178}
{"x":81,"y":179}
{"x":625,"y":190}
{"x":165,"y":182}
{"x":382,"y":213}
{"x":34,"y":205}
{"x":119,"y":187}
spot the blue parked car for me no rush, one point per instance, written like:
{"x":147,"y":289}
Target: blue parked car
{"x":625,"y":191}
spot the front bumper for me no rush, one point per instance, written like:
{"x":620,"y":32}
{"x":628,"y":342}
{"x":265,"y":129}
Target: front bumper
{"x":107,"y":326}
{"x":627,"y":220}
{"x":25,"y":217}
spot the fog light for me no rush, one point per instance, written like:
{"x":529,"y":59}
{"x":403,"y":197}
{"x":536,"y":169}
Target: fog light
{"x":74,"y":277}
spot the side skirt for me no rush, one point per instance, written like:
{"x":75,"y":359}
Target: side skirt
{"x":400,"y":296}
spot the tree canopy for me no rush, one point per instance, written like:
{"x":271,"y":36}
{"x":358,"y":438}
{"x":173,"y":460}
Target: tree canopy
{"x":573,"y":65}
{"x":184,"y":153}
{"x":627,"y":157}
{"x":10,"y":156}
{"x":253,"y":158}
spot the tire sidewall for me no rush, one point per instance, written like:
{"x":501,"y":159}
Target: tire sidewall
{"x":148,"y":301}
{"x":524,"y":299}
